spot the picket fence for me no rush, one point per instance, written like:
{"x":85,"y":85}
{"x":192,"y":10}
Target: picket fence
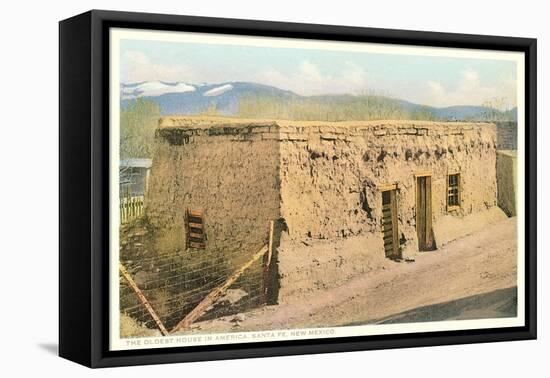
{"x":131,"y":207}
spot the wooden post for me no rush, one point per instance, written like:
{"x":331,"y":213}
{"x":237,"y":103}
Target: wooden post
{"x":122,"y":206}
{"x":215,"y":294}
{"x":267,"y":262}
{"x":270,"y":243}
{"x":147,"y":176}
{"x":143,"y":299}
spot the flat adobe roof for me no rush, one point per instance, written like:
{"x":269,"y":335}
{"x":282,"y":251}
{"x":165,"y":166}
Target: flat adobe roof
{"x":201,"y":122}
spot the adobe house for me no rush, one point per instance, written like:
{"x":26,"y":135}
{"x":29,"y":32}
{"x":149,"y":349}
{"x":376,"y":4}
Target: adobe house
{"x":406,"y":185}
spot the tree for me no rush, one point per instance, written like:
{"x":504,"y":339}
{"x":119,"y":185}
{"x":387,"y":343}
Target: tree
{"x":138,"y":122}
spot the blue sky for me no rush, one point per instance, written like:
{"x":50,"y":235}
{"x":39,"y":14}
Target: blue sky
{"x":437,"y":81}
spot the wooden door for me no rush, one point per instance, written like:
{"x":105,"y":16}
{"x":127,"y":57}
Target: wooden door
{"x":424,"y":213}
{"x":389,"y":224}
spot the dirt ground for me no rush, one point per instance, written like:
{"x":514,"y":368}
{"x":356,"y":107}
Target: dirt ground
{"x":472,"y":277}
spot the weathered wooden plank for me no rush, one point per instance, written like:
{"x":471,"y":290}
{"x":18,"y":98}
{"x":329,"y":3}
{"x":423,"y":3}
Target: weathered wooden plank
{"x":195,"y":225}
{"x":195,"y":213}
{"x":142,"y":299}
{"x":194,"y":244}
{"x":215,"y":294}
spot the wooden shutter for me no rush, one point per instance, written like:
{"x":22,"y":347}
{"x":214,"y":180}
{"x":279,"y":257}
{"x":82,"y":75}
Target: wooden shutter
{"x":196,"y":236}
{"x":389,"y":223}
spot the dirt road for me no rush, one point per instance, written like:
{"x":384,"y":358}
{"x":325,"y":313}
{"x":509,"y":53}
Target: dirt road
{"x":500,"y":303}
{"x":463,"y":279}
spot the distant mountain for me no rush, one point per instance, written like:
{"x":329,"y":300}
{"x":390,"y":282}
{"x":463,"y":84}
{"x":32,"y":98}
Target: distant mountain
{"x":224,"y":99}
{"x":180,"y":98}
{"x":464,"y":112}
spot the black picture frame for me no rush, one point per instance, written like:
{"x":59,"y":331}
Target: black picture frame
{"x":84,"y":187}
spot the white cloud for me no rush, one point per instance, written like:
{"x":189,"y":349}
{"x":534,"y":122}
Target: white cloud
{"x":469,"y":91}
{"x":138,"y":67}
{"x":307,"y":79}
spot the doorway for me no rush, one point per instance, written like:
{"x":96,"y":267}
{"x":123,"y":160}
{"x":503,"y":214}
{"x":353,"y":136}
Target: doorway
{"x":424,"y":213}
{"x":389,"y":224}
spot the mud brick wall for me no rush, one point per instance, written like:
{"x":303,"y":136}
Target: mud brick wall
{"x":324,"y":179}
{"x":331,"y":174}
{"x":507,"y":135}
{"x":507,"y":181}
{"x":231,"y":173}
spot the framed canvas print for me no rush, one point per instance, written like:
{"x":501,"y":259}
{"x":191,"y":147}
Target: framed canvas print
{"x":234,"y":188}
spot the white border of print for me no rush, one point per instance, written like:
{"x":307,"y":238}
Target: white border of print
{"x":116,"y":343}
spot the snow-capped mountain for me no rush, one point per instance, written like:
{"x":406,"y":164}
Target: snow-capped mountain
{"x":152,"y":89}
{"x":185,"y":98}
{"x":218,"y":90}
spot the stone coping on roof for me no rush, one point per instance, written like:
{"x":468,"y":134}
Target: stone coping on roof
{"x":201,"y":122}
{"x":183,"y":129}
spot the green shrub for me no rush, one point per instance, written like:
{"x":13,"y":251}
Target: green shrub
{"x":138,"y":122}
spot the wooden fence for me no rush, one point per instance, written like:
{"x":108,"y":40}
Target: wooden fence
{"x":175,"y":314}
{"x":131,"y":208}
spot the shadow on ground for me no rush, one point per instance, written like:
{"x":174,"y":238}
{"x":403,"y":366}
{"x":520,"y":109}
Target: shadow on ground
{"x":50,"y":348}
{"x":500,"y":303}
